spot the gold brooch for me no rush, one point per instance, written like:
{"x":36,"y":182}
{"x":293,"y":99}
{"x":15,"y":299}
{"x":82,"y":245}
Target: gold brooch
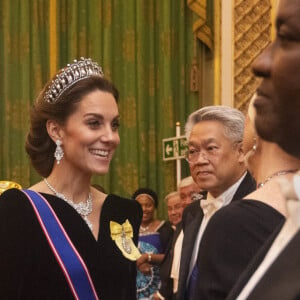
{"x":122,"y":235}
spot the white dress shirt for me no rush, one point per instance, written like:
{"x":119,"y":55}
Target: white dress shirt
{"x":221,"y":201}
{"x":176,"y":261}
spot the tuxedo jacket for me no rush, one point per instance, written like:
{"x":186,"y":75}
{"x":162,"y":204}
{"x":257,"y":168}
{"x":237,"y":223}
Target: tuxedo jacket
{"x":281,"y":281}
{"x":166,"y":288}
{"x":191,"y":221}
{"x":231,"y":239}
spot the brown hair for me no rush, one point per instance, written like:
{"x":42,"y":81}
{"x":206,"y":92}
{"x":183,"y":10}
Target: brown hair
{"x":39,"y":145}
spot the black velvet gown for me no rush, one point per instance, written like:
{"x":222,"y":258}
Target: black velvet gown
{"x":28,"y":268}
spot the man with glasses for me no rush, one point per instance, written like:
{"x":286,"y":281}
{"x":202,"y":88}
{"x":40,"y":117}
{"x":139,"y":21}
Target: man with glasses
{"x":216,"y":162}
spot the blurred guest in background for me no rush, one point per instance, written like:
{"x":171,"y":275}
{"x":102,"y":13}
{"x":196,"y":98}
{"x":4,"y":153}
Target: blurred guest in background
{"x":154,"y":238}
{"x":169,"y":271}
{"x":189,"y":191}
{"x":174,"y":208}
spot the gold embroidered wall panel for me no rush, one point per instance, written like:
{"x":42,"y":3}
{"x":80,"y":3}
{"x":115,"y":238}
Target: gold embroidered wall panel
{"x":252,"y":34}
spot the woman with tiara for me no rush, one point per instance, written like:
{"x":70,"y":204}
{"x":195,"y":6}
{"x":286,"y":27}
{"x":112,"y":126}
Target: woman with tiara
{"x":62,"y":238}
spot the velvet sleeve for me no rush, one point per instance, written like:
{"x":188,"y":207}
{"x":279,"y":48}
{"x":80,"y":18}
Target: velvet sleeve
{"x":15,"y":224}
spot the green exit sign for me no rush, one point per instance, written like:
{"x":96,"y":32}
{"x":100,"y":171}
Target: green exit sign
{"x":174,"y":148}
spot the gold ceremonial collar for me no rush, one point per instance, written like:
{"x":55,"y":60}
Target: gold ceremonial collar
{"x":6,"y":185}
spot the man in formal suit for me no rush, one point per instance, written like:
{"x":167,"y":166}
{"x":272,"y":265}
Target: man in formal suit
{"x":187,"y":191}
{"x":216,"y":162}
{"x":275,"y":271}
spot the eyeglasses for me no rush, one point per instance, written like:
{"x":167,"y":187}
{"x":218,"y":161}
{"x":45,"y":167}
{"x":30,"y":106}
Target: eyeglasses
{"x":208,"y":152}
{"x":192,"y":155}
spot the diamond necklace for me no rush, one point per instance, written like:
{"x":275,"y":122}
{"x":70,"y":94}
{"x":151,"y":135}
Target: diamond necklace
{"x":279,"y":173}
{"x":144,"y":229}
{"x":83,"y":209}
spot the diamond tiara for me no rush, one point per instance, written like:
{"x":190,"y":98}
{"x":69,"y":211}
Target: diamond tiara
{"x":69,"y":75}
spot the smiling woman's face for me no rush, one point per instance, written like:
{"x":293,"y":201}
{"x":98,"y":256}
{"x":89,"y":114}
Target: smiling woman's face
{"x":90,"y":136}
{"x":148,"y":207}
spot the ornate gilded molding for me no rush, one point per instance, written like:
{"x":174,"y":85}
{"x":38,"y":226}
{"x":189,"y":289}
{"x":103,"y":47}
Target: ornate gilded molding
{"x":252,"y":34}
{"x":217,"y":51}
{"x":200,"y":27}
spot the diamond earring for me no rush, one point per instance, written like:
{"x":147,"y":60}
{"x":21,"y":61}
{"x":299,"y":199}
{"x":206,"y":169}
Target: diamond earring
{"x":59,"y":153}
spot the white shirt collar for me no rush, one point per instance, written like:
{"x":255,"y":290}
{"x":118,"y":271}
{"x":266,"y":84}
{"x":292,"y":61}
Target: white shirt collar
{"x":229,"y":193}
{"x":291,"y":191}
{"x":296,"y":181}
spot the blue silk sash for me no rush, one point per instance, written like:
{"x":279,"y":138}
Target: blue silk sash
{"x":70,"y":261}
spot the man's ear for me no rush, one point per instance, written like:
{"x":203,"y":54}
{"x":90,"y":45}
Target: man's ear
{"x":241,"y":155}
{"x":54,"y":130}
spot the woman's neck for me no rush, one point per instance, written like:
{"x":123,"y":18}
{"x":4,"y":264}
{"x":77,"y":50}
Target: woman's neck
{"x":146,"y":224}
{"x":73,"y":185}
{"x":266,"y":166}
{"x":272,"y":161}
